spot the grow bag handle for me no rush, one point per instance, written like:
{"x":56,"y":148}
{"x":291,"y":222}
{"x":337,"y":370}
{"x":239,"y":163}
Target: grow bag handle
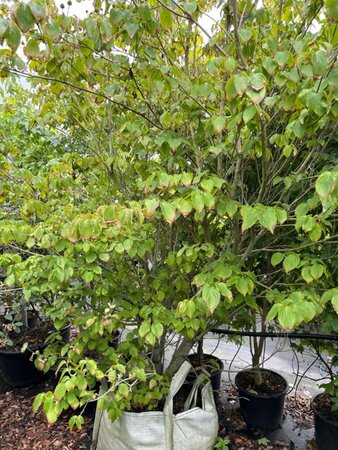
{"x":176,"y":383}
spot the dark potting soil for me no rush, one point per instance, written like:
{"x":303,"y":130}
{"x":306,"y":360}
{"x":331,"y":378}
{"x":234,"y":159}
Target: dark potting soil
{"x":323,"y":405}
{"x":272,"y":383}
{"x":34,"y":336}
{"x":178,"y":404}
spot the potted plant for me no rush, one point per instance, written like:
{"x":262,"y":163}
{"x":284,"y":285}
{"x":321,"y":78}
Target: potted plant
{"x":325,"y":404}
{"x":193,"y":167}
{"x":205,"y":363}
{"x":324,"y":407}
{"x":261,"y":391}
{"x":23,"y":334}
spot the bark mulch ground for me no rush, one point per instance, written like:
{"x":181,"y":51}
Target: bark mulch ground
{"x":235,"y":430}
{"x":21,"y":429}
{"x":301,"y":413}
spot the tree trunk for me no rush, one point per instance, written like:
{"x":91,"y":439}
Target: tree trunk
{"x":179,"y":356}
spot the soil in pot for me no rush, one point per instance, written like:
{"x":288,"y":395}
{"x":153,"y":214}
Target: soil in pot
{"x":326,"y":422}
{"x":35,"y":336}
{"x":261,"y":406}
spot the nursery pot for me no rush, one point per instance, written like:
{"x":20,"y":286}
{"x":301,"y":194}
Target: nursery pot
{"x":213,"y":365}
{"x":326,"y":431}
{"x":116,"y":339}
{"x":259,"y":410}
{"x":18,"y":370}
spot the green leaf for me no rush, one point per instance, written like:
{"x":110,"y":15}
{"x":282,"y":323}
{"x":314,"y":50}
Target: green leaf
{"x":157,"y":329}
{"x":140,"y":374}
{"x":88,"y":277}
{"x":168,"y":211}
{"x":288,"y":150}
{"x":225,"y":291}
{"x":211,"y":297}
{"x":32,"y":49}
{"x":242,"y":286}
{"x":334,"y":302}
{"x":230,"y":88}
{"x":277,"y":258}
{"x":38,"y":401}
{"x":60,"y":391}
{"x":249,"y":217}
{"x":218,"y":123}
{"x":306,"y":274}
{"x":257,"y":97}
{"x":151,"y":205}
{"x":317,"y":270}
{"x":308,"y":311}
{"x":249,"y":113}
{"x":187,"y":178}
{"x":257,"y":81}
{"x":319,"y":62}
{"x":13,"y":36}
{"x":298,"y":129}
{"x":3,"y":27}
{"x":313,"y":101}
{"x":325,"y":184}
{"x":231,"y":208}
{"x":245,"y":35}
{"x":76,"y":420}
{"x":38,"y":9}
{"x":332,"y":9}
{"x":230,"y":64}
{"x":282,"y":58}
{"x":273,"y":312}
{"x":104,"y":257}
{"x":281,"y":215}
{"x":51,"y":415}
{"x":209,"y":200}
{"x":207,"y":185}
{"x":131,"y":28}
{"x":123,"y":390}
{"x":241,"y":84}
{"x":315,"y":233}
{"x":24,"y":17}
{"x":144,"y":328}
{"x":269,"y":65}
{"x":185,"y":207}
{"x":286,"y":317}
{"x":197,"y":201}
{"x":10,"y":280}
{"x":291,"y":262}
{"x":166,"y":18}
{"x":268,"y":219}
{"x":190,"y":7}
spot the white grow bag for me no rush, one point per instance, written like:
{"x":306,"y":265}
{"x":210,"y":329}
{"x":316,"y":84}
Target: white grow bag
{"x":193,"y":429}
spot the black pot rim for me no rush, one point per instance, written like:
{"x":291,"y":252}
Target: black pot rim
{"x":279,"y":394}
{"x":221,"y":363}
{"x":315,"y":411}
{"x":32,"y":349}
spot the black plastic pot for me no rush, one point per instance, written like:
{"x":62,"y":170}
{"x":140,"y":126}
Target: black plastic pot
{"x":17,"y":368}
{"x":265,"y":412}
{"x":326,"y":432}
{"x":33,"y":321}
{"x":116,"y":339}
{"x":215,"y":373}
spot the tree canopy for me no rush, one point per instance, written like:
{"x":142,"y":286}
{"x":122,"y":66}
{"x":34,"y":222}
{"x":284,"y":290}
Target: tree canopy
{"x":198,"y":186}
